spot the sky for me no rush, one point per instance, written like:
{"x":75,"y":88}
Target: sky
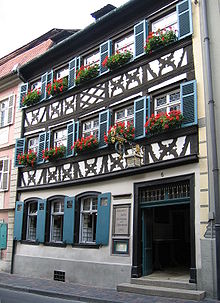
{"x":22,"y":21}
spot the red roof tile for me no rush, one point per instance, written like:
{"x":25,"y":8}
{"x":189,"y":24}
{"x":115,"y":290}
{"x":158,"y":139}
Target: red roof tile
{"x":23,"y":58}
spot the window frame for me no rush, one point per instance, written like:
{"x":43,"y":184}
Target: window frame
{"x":57,"y":130}
{"x":53,"y":201}
{"x":35,"y":148}
{"x":28,"y":218}
{"x":126,"y":118}
{"x":168,"y":104}
{"x":92,"y":128}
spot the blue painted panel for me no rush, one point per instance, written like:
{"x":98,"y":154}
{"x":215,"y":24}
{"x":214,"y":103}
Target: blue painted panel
{"x":141,"y":107}
{"x":70,"y":139}
{"x":22,"y":93}
{"x":104,"y":125}
{"x":43,"y":87}
{"x":140,"y":36}
{"x":188,"y":96}
{"x":72,"y":73}
{"x":41,"y":147}
{"x":19,"y":148}
{"x":184,"y":14}
{"x":105,"y":50}
{"x":69,"y":218}
{"x":3,"y":236}
{"x":103,"y":218}
{"x":19,"y":209}
{"x":41,"y":220}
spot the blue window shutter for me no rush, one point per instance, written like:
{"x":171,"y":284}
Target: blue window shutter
{"x":140,"y":36}
{"x":76,"y":130}
{"x":69,"y":218}
{"x":19,"y":209}
{"x":72,"y":73}
{"x":184,"y":14}
{"x":104,"y":125}
{"x":41,"y":147}
{"x":47,"y":140}
{"x":70,"y":139}
{"x":41,"y":220}
{"x":19,"y":148}
{"x":43,"y":87}
{"x":105,"y":50}
{"x":3,"y":235}
{"x":23,"y":90}
{"x":141,"y":108}
{"x":49,"y":80}
{"x":103,"y":218}
{"x":188,"y":96}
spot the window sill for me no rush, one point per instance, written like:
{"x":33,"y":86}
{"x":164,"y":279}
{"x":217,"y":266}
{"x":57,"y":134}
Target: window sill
{"x":84,"y":245}
{"x":55,"y":244}
{"x":29,"y":242}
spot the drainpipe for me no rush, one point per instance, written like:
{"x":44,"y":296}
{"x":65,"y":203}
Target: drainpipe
{"x":215,"y":169}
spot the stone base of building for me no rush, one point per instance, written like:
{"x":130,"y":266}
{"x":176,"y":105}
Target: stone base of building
{"x":81,"y":272}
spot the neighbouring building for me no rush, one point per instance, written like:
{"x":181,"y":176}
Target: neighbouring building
{"x":10,"y":129}
{"x":113,"y":177}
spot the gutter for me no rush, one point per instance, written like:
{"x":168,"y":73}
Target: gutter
{"x":215,"y":169}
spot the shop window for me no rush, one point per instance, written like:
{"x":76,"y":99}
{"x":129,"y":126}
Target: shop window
{"x":88,"y":218}
{"x":91,"y":127}
{"x":4,"y":174}
{"x":60,"y":137}
{"x":166,"y":22}
{"x":32,"y":221}
{"x":125,"y":115}
{"x":167,"y":102}
{"x":57,"y":215}
{"x":33,"y":144}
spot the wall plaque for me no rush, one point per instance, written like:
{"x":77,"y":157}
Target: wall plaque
{"x":121,"y":220}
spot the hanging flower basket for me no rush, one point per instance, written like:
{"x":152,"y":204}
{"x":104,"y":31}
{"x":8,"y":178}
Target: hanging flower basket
{"x":27,"y":159}
{"x":119,"y":132}
{"x":159,"y":39}
{"x":85,"y":144}
{"x":55,"y":153}
{"x":161,"y":122}
{"x":31,"y":98}
{"x":85,"y":73}
{"x":57,"y":87}
{"x":117,"y":60}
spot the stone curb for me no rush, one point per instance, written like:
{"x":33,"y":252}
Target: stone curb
{"x":55,"y":294}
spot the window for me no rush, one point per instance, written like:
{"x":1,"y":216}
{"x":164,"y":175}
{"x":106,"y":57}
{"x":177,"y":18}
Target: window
{"x":32,"y":221}
{"x":167,"y":102}
{"x":60,"y":137}
{"x":125,"y":43}
{"x":92,"y":59}
{"x":91,"y":127}
{"x":88,"y":218}
{"x":125,"y":115}
{"x":57,"y":214}
{"x":36,"y":85}
{"x":167,"y":21}
{"x":7,"y":111}
{"x":64,"y":72}
{"x":33,"y":144}
{"x":4,"y":174}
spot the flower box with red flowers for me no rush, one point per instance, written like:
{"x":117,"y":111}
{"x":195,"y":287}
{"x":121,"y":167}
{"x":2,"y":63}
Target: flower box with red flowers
{"x":57,"y":87}
{"x":32,"y":97}
{"x":55,"y":153}
{"x":161,"y":122}
{"x":120,"y":132}
{"x":117,"y":60}
{"x":86,"y":73}
{"x":27,"y":159}
{"x":85,"y":144}
{"x":159,"y":39}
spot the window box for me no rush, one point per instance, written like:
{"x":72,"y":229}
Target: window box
{"x":27,"y":159}
{"x":85,"y":73}
{"x":85,"y":144}
{"x":159,"y":39}
{"x":57,"y":87}
{"x":117,"y":60}
{"x":31,"y":98}
{"x":120,"y":133}
{"x":163,"y":122}
{"x":55,"y":153}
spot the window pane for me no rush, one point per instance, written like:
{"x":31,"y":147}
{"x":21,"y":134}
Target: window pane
{"x":91,"y":128}
{"x":93,"y":58}
{"x":32,"y":208}
{"x":125,"y":43}
{"x":86,"y":204}
{"x":161,"y":101}
{"x":174,"y":97}
{"x":120,"y":114}
{"x":62,"y":73}
{"x":56,"y":207}
{"x":169,"y":20}
{"x":57,"y":228}
{"x":33,"y":144}
{"x":94,"y":203}
{"x":60,"y":137}
{"x":32,"y":224}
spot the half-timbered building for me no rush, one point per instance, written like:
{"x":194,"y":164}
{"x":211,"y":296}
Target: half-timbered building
{"x":114,"y":203}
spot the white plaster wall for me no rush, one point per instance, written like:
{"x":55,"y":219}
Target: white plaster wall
{"x":117,"y":186}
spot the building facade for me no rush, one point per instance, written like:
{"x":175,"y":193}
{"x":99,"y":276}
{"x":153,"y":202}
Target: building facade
{"x":112,"y":158}
{"x":10,"y":129}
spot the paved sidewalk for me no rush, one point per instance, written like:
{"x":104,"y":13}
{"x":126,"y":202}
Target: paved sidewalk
{"x":79,"y":292}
